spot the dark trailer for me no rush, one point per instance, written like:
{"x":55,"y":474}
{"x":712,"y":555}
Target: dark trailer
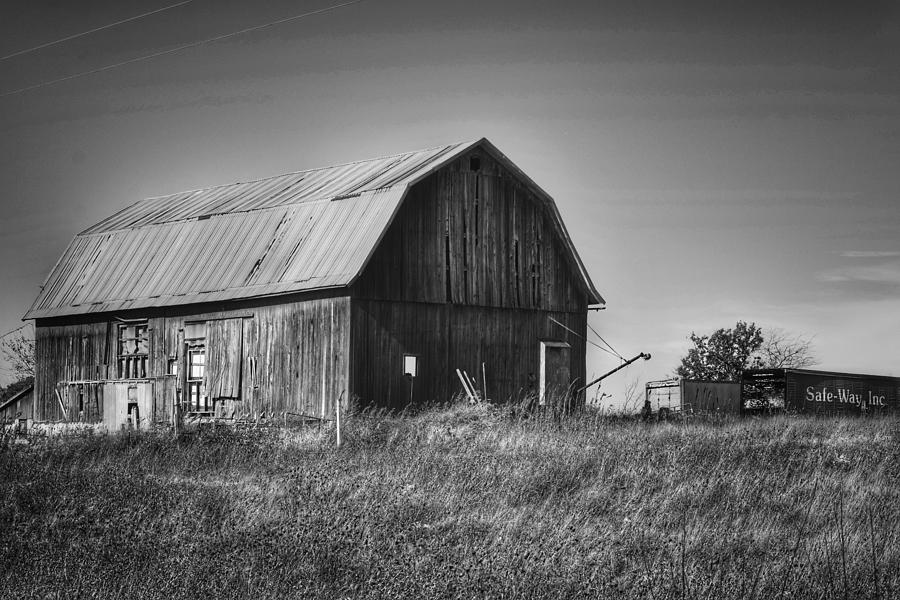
{"x":801,"y":390}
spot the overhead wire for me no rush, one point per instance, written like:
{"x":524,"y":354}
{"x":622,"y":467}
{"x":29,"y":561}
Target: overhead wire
{"x":611,"y":350}
{"x":572,"y":331}
{"x":179,"y":48}
{"x":12,"y":331}
{"x":94,"y":30}
{"x":616,"y":352}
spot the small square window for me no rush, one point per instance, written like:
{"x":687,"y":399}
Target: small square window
{"x":197,"y":364}
{"x":410,"y":365}
{"x":194,"y":331}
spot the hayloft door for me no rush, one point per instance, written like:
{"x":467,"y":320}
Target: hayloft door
{"x":555,"y":376}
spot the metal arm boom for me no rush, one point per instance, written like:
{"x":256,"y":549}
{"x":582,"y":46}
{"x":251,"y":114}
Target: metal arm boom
{"x":622,"y":366}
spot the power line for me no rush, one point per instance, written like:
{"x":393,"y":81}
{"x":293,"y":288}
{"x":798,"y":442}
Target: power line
{"x":12,"y":331}
{"x":178,"y":49}
{"x":605,"y":342}
{"x":592,"y":343}
{"x":95,"y":30}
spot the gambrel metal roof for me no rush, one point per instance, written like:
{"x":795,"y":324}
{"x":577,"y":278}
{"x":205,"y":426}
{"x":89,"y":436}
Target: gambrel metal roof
{"x":302,"y":231}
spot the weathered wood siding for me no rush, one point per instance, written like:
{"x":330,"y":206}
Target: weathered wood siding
{"x":265,"y":359}
{"x":63,"y":353}
{"x":471,"y":271}
{"x":301,"y":357}
{"x":479,"y":238}
{"x":447,"y":337}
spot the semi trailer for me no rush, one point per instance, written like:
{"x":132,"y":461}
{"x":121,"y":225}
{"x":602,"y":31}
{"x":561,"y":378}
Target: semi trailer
{"x":826,"y":392}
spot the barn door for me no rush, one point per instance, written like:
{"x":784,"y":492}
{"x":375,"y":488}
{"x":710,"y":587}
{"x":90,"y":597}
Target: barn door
{"x":127,"y":405}
{"x":555,"y":376}
{"x":224,"y":354}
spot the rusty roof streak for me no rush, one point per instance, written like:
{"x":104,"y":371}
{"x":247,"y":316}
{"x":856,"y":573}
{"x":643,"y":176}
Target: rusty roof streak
{"x":308,"y":230}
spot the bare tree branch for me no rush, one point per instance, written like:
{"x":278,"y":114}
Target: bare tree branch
{"x":782,"y":350}
{"x":18,"y":351}
{"x":724,"y":354}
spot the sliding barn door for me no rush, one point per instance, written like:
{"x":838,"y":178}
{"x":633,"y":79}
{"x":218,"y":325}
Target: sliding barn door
{"x":224,"y":345}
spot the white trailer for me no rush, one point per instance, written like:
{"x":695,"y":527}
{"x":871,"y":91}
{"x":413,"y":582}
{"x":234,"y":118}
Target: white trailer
{"x":694,"y":396}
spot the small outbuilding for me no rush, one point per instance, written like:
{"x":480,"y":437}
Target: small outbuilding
{"x":19,"y":406}
{"x":372,"y":280}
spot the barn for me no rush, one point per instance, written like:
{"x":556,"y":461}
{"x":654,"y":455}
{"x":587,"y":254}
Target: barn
{"x":372,"y":281}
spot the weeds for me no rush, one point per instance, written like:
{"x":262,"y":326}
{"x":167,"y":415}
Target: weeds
{"x":460,"y":502}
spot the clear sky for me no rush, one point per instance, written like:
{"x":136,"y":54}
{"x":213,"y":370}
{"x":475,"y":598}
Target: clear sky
{"x":713,"y":161}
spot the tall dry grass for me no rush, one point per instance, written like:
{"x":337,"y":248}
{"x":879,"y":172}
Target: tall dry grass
{"x":460,"y":502}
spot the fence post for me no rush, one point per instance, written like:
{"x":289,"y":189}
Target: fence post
{"x":337,"y":419}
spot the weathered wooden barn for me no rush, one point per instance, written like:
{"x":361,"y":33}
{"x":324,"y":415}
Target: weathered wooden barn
{"x":287,"y":294}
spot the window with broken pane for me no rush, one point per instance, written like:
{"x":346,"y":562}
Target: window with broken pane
{"x":133,"y":350}
{"x":195,"y":338}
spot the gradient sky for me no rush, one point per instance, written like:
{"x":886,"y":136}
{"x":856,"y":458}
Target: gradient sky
{"x":713,"y":161}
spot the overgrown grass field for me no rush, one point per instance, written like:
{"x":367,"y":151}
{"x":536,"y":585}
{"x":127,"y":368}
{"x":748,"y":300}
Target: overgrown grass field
{"x":460,"y":502}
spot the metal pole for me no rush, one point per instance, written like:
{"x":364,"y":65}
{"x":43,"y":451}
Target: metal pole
{"x":622,"y":366}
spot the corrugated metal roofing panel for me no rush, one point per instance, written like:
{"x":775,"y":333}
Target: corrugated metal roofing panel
{"x":226,"y":257}
{"x":292,"y":188}
{"x":300,"y":231}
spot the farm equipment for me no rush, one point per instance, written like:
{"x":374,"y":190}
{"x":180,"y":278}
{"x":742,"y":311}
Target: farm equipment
{"x":643,"y":355}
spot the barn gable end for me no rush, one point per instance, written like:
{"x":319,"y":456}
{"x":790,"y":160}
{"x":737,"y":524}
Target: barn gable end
{"x":473,"y":233}
{"x":474,"y":273}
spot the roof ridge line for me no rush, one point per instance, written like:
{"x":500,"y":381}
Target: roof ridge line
{"x":85,"y":233}
{"x":322,"y":168}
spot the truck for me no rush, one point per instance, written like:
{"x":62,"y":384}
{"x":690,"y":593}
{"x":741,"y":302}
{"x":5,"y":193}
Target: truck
{"x":818,"y":392}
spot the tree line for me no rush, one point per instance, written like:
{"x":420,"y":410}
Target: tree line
{"x":725,"y":353}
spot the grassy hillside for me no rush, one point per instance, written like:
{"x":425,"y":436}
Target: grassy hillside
{"x":460,"y":502}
